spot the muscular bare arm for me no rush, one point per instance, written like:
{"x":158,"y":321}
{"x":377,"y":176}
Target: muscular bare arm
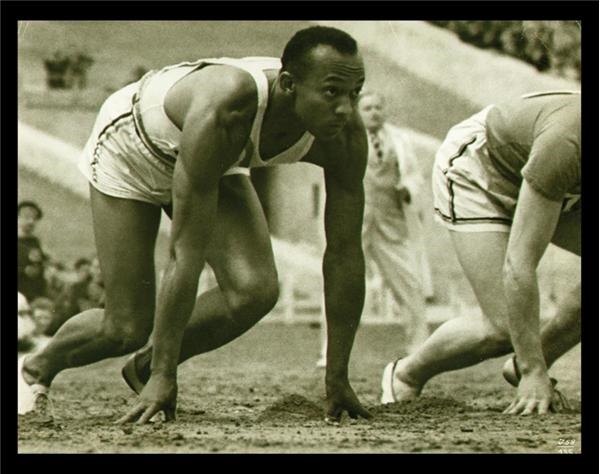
{"x":533,"y":226}
{"x":344,"y":163}
{"x":215,"y":129}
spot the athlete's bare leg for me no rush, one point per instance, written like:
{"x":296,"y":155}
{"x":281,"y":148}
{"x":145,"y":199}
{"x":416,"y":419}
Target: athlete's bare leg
{"x":464,"y":341}
{"x":125,"y":233}
{"x":242,"y":258}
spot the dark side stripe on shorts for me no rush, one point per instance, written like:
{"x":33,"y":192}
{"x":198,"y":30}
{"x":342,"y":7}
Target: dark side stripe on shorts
{"x":111,"y":124}
{"x":449,"y":182}
{"x":452,"y":218}
{"x":95,"y":154}
{"x":140,"y":130}
{"x":472,"y":220}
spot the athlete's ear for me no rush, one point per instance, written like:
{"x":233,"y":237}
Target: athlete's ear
{"x":287,"y":82}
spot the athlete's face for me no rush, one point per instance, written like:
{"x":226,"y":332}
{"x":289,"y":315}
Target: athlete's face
{"x":371,"y":111}
{"x":326,"y":96}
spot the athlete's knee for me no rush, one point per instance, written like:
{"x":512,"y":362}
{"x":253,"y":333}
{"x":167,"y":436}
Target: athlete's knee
{"x":254,"y":295}
{"x":128,"y":331}
{"x":495,"y":338}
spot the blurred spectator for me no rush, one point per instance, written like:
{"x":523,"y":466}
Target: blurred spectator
{"x":56,"y":69}
{"x":30,"y":257}
{"x":83,"y":268}
{"x":43,"y":315}
{"x":67,"y":70}
{"x":54,"y":276}
{"x":79,"y":63}
{"x":25,"y":325}
{"x":86,"y":292}
{"x":94,"y":289}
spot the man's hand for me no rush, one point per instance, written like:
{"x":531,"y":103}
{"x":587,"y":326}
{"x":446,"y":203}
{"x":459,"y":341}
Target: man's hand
{"x":536,"y":393}
{"x":340,"y":398}
{"x":159,"y":394}
{"x":403,"y":196}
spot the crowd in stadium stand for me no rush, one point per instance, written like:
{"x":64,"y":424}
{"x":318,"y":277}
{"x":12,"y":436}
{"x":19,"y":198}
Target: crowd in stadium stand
{"x":550,"y":46}
{"x":49,"y":291}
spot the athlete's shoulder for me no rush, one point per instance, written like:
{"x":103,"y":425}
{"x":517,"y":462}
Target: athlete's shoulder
{"x":225,"y":90}
{"x":222,"y":81}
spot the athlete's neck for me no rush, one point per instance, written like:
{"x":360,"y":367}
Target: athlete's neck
{"x":280,"y":117}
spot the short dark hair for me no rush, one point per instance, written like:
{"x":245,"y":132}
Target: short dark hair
{"x":30,"y":204}
{"x":304,"y":41}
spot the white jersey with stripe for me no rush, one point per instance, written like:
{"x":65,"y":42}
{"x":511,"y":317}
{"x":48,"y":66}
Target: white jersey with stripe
{"x":164,"y":137}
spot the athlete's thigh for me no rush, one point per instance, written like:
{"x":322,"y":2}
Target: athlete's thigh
{"x":240,"y":249}
{"x":568,"y":232}
{"x":125,"y":231}
{"x":481,"y":255}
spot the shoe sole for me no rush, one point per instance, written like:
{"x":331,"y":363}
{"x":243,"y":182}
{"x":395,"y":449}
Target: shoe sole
{"x":511,"y":372}
{"x":36,"y":391}
{"x":387,"y":389}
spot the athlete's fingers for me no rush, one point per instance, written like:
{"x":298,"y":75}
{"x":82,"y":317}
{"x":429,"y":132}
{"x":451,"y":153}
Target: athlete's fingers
{"x":543,"y":407}
{"x":363,"y":412}
{"x":334,"y":411}
{"x":358,"y":410}
{"x":512,"y":407}
{"x":169,"y":413}
{"x":332,"y":421}
{"x":518,"y":405}
{"x":149,"y":413}
{"x":131,"y":415}
{"x":509,"y":408}
{"x":529,"y":407}
{"x":334,"y":414}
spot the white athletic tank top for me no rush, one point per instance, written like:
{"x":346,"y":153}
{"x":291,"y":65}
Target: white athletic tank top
{"x":163,"y":137}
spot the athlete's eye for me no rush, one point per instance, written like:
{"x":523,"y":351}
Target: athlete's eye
{"x":331,"y":91}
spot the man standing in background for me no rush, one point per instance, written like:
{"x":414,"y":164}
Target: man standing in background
{"x":390,"y":243}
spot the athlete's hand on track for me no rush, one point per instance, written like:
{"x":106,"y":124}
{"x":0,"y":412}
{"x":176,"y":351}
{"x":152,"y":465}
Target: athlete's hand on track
{"x":159,"y":394}
{"x":536,"y":394}
{"x":340,"y":398}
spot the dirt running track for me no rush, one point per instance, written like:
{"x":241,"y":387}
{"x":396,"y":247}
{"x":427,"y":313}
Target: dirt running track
{"x":262,"y":393}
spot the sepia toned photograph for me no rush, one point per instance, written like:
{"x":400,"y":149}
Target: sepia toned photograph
{"x":306,"y":237}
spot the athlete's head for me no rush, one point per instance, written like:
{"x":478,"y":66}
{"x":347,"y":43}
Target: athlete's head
{"x":323,"y":72}
{"x":370,"y":106}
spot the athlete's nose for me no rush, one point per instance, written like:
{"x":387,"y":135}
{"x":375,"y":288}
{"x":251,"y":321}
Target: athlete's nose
{"x":344,"y":107}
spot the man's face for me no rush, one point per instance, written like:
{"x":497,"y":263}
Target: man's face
{"x":43,"y":319}
{"x":371,"y":112}
{"x":327,"y":95}
{"x":27,"y":220}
